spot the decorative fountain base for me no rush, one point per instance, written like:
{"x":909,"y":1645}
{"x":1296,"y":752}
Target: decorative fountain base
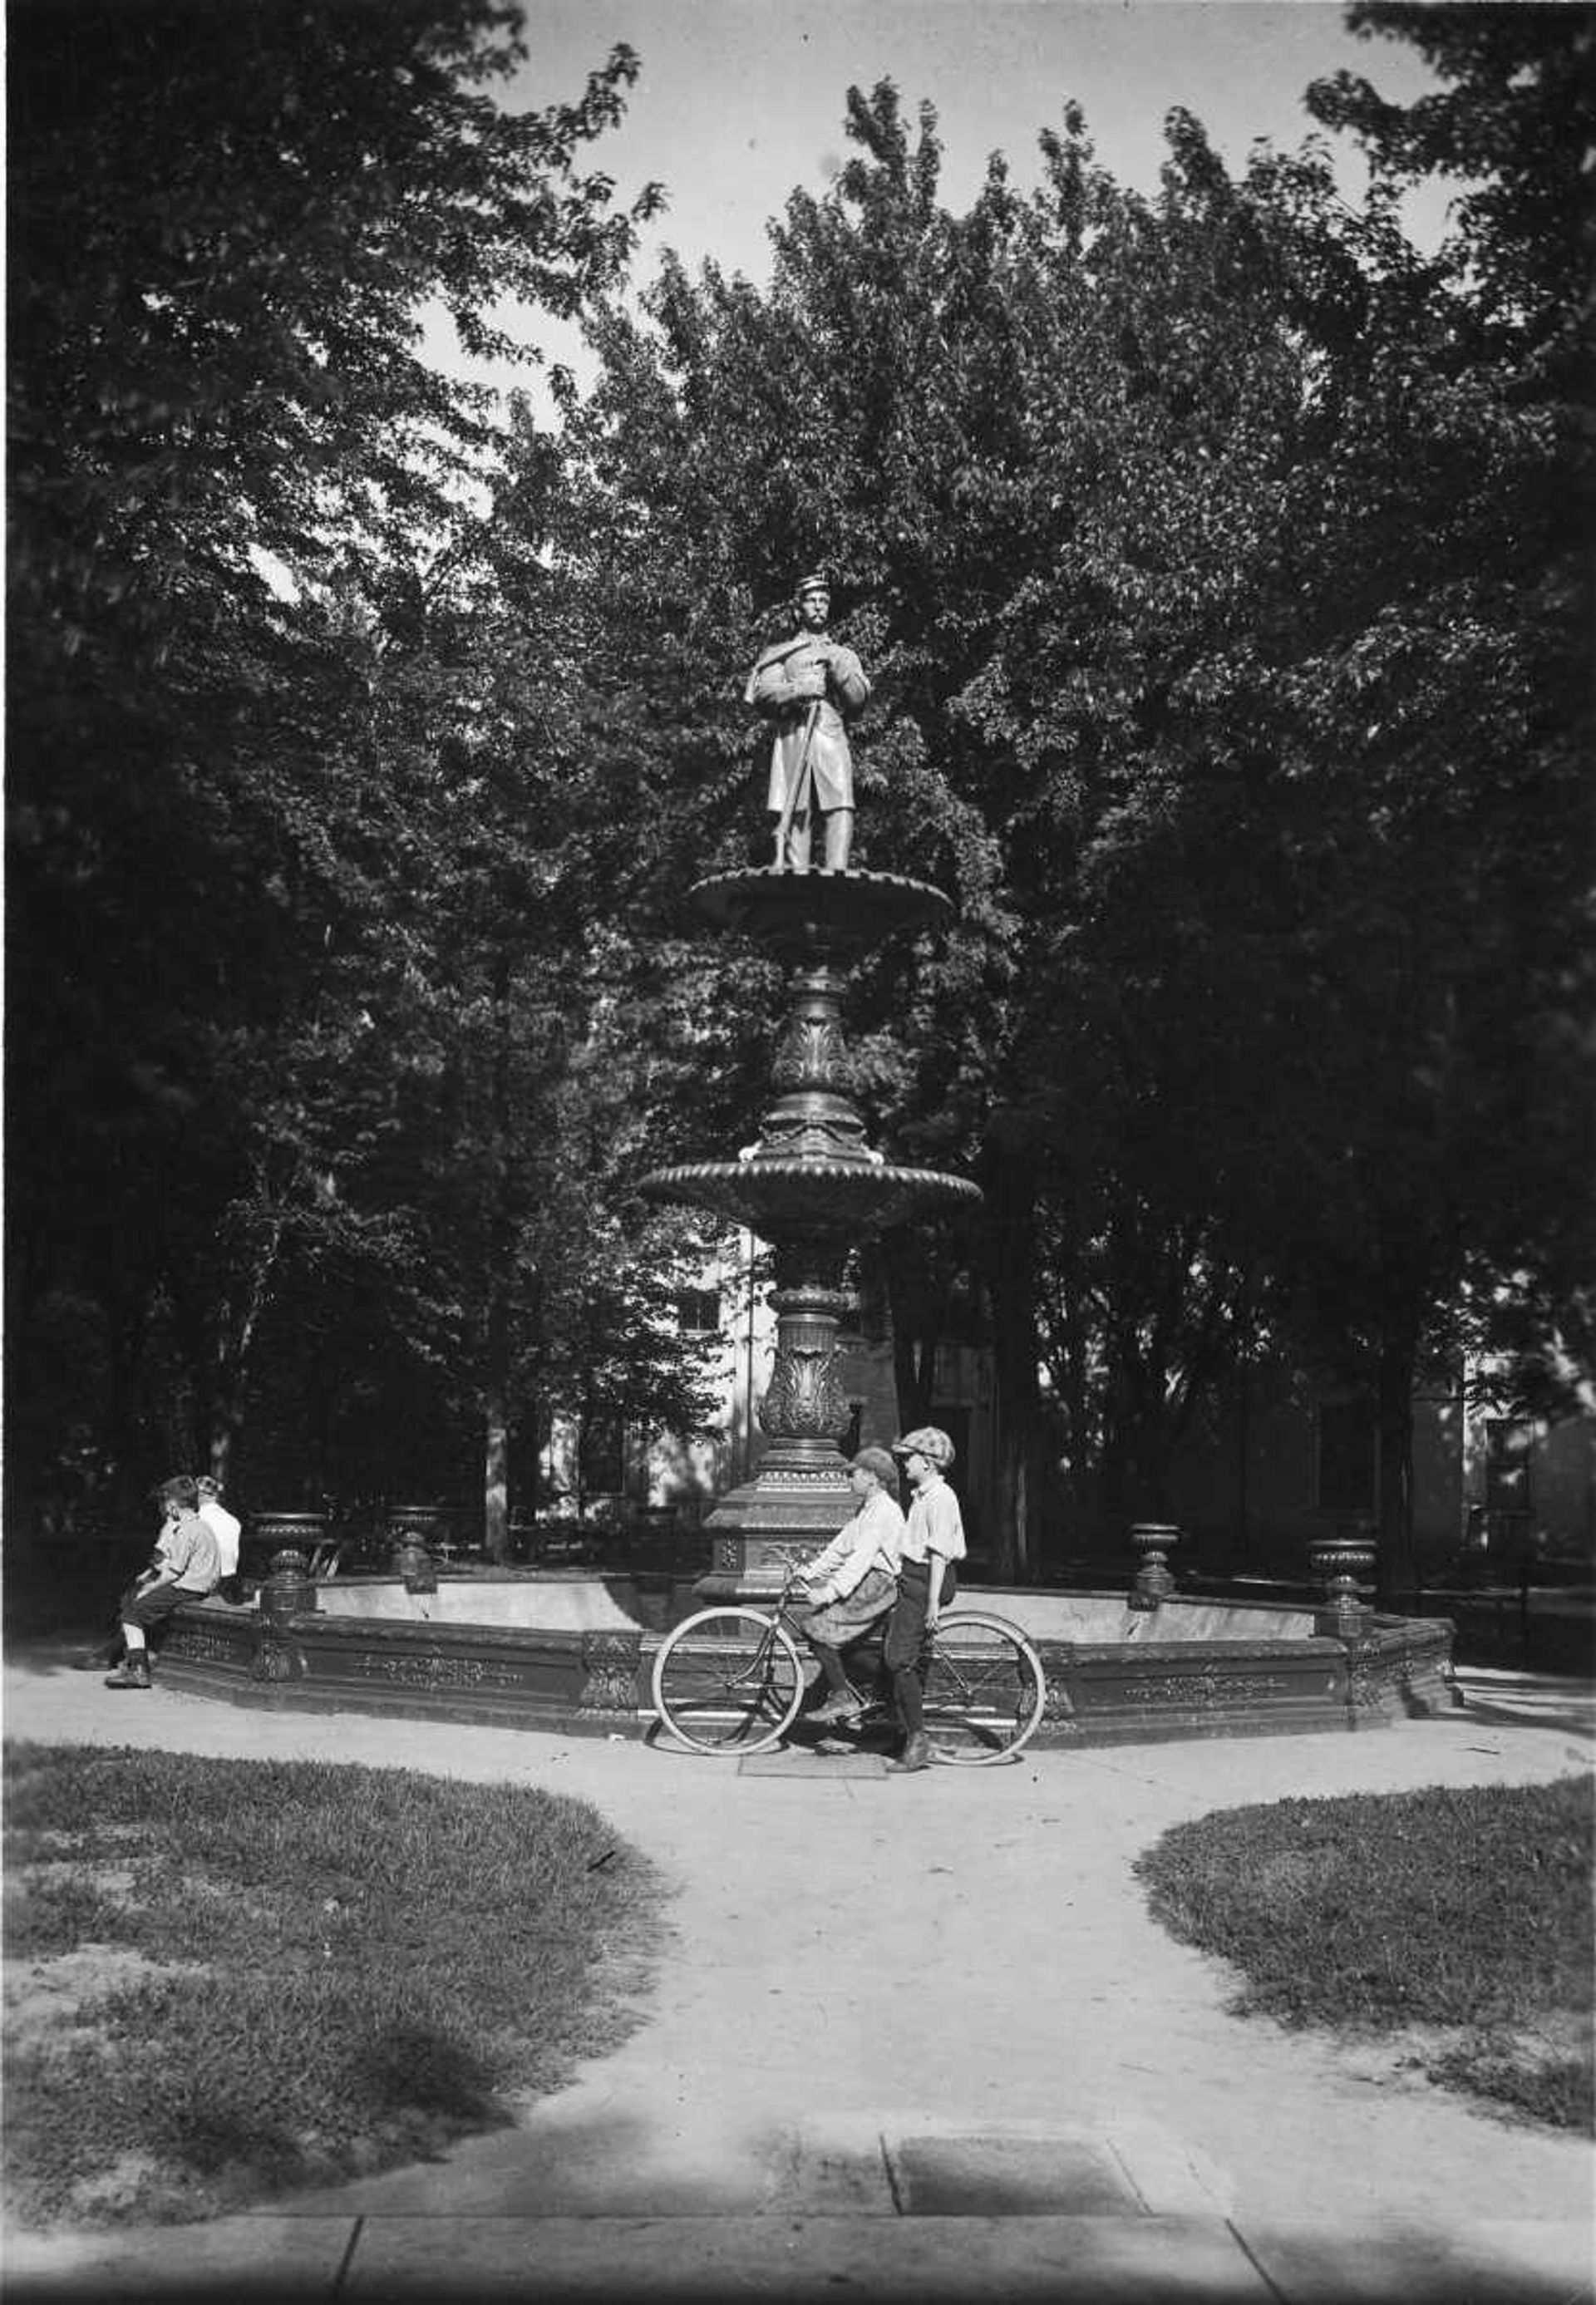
{"x":572,"y":1651}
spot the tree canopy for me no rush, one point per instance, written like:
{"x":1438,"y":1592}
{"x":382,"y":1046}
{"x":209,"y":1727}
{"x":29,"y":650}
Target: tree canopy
{"x":279,"y":856}
{"x":1211,"y":560}
{"x":1217,"y":557}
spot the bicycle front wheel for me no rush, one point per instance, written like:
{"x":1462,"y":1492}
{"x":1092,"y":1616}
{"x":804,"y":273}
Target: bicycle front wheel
{"x":728,"y":1681}
{"x":984,"y":1690}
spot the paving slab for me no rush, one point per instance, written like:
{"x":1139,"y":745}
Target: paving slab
{"x":257,"y":2260}
{"x":824,"y":1765}
{"x":992,"y":2175}
{"x":1107,"y":2261}
{"x":1478,"y":2261}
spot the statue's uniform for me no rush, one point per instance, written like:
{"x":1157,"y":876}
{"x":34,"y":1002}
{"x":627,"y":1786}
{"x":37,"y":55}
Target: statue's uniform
{"x":771,"y":690}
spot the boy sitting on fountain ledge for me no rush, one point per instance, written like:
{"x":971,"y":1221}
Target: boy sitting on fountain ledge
{"x":854,"y":1583}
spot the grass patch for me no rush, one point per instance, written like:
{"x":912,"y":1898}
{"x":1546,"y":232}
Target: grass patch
{"x":225,"y":1978}
{"x":1456,"y":1925}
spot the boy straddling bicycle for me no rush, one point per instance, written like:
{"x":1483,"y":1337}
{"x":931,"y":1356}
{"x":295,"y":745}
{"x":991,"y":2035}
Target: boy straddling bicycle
{"x":854,"y":1583}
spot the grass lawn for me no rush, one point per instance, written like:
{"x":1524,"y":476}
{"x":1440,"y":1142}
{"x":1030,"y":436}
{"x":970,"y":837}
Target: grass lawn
{"x":1454,"y":1927}
{"x":225,"y":1978}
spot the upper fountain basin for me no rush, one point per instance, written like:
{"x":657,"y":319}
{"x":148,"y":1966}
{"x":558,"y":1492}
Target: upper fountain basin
{"x":828,"y":915}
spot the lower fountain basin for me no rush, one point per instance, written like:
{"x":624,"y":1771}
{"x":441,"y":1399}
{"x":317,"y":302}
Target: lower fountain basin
{"x":774,"y":1196}
{"x":573,"y":1651}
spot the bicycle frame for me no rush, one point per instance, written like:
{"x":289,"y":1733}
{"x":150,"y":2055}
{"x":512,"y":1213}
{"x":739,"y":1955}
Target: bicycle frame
{"x":983,"y":1683}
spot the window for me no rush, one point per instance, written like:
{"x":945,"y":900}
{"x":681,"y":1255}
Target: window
{"x":698,"y":1311}
{"x":1508,"y":1444}
{"x":1346,"y":1457}
{"x":601,"y":1458}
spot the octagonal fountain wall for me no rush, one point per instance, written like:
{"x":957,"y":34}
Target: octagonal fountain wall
{"x":572,"y":1651}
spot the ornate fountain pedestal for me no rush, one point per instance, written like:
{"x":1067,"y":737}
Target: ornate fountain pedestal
{"x":812,"y":1187}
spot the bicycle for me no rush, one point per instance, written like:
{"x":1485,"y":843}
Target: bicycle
{"x":733,"y":1680}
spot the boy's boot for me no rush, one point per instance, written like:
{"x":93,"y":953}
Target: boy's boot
{"x":841,"y":1704}
{"x":133,"y":1673}
{"x":916,"y":1754}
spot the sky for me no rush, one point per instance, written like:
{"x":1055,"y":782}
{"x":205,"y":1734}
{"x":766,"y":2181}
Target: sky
{"x":738,"y":101}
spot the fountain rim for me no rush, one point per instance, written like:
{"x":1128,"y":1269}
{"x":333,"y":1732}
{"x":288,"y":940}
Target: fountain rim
{"x":592,"y":1679}
{"x":846,"y":910}
{"x":866,"y":1187}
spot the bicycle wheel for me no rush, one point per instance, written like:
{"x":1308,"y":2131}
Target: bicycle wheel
{"x":728,"y":1681}
{"x":984,"y":1690}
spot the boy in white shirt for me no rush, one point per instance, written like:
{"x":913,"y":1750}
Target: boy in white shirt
{"x":933,"y":1541}
{"x":225,"y":1528}
{"x":854,"y":1583}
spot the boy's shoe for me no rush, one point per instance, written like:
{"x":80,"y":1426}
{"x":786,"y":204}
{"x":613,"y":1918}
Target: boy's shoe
{"x":916,"y":1754}
{"x":133,"y":1673}
{"x":846,"y":1705}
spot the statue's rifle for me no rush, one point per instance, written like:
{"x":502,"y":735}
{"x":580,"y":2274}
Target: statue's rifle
{"x":794,"y":790}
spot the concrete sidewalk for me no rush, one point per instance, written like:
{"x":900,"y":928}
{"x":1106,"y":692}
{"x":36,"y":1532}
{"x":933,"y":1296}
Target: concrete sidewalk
{"x":909,"y":2037}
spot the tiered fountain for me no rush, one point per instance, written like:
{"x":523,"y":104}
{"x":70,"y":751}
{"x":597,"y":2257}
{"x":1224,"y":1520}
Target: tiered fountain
{"x":540,"y":1649}
{"x":813,"y":1188}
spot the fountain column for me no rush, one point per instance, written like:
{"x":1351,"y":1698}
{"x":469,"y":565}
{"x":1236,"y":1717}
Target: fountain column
{"x":813,"y":1187}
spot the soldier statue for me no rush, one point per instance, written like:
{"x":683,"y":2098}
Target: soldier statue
{"x":805,"y":686}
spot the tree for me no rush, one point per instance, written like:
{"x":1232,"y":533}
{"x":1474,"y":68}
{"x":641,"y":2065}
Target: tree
{"x":955,"y":414}
{"x":215,"y":375}
{"x":1508,"y":123}
{"x":1184,"y":540}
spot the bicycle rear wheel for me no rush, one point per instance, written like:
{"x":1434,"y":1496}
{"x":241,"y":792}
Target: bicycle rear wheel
{"x":984,"y":1690}
{"x":728,"y":1681}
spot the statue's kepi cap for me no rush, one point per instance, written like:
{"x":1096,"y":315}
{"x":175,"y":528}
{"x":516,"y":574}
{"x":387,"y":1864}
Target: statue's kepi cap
{"x":815,"y":581}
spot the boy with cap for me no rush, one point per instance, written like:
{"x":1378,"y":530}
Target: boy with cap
{"x":933,"y":1541}
{"x":854,"y":1583}
{"x":185,"y":1568}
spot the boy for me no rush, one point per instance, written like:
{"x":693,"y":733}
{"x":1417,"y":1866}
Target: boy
{"x":226,"y":1529}
{"x":933,"y":1541}
{"x":185,"y":1568}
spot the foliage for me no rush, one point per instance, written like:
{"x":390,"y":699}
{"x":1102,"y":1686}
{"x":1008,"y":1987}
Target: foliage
{"x":298,"y":956}
{"x":1199,"y":549}
{"x":1218,"y":562}
{"x":324,"y":1970}
{"x":1507,"y":123}
{"x":1467,"y":1910}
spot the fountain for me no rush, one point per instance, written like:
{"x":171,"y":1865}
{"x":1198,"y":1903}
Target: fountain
{"x":812,"y":1188}
{"x":571,"y":1650}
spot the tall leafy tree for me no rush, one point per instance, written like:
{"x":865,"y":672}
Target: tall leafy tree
{"x":215,"y":375}
{"x":1178,"y":535}
{"x":1034,"y":444}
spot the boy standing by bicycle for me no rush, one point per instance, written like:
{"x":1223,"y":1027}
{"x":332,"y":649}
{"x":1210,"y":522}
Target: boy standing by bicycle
{"x":933,"y":1541}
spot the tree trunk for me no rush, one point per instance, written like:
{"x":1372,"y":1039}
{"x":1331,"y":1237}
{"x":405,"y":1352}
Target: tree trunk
{"x":495,"y":1480}
{"x":1243,"y":1556}
{"x":1398,"y":1568}
{"x":915,"y":1328}
{"x":1009,"y":1244}
{"x":500,"y":1233}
